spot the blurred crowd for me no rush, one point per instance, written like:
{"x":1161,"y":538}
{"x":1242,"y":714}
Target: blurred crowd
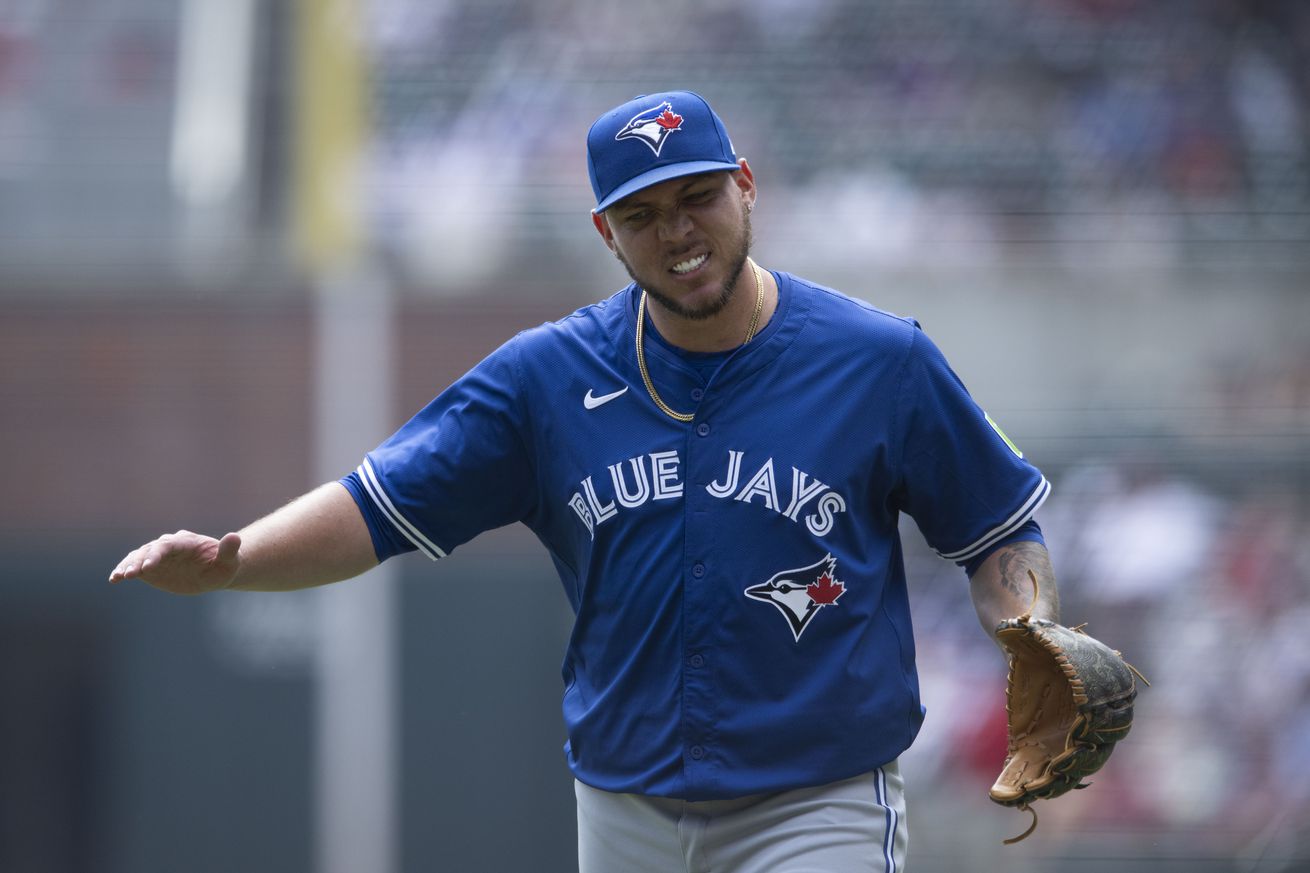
{"x":1175,"y":129}
{"x":1178,"y":130}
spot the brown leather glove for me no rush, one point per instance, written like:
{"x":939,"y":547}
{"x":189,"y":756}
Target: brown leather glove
{"x":1070,"y":699}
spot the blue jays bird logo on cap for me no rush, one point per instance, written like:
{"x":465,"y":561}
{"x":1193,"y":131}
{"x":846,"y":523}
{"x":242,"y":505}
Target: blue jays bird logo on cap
{"x":652,"y":127}
{"x":799,"y":594}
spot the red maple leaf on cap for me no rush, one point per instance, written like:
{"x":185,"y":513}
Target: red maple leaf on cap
{"x":826,"y":590}
{"x":668,"y":120}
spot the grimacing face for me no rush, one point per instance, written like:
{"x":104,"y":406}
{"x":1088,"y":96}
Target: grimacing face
{"x":685,"y":241}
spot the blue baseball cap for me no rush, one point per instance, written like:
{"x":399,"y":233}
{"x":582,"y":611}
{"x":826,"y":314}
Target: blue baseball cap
{"x":651,"y":139}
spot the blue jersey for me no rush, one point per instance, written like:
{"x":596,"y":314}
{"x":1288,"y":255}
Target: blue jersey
{"x":742,"y":621}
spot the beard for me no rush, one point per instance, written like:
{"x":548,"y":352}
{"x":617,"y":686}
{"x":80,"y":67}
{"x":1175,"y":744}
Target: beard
{"x":736,"y":266}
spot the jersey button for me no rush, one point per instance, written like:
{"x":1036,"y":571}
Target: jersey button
{"x":697,"y":661}
{"x":703,"y":429}
{"x":697,"y":752}
{"x":698,"y":570}
{"x":697,"y":394}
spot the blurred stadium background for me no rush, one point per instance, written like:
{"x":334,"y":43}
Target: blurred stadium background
{"x":241,"y":240}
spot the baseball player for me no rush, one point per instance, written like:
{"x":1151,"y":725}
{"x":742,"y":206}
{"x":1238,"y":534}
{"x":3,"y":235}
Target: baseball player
{"x":716,"y":458}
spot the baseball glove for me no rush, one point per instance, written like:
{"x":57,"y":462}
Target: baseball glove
{"x":1069,"y":698}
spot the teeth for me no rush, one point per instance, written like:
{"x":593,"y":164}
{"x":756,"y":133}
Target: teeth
{"x":688,"y":265}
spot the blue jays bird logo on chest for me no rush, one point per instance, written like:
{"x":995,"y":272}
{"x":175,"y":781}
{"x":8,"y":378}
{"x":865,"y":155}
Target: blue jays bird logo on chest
{"x":802,"y":593}
{"x":652,"y":127}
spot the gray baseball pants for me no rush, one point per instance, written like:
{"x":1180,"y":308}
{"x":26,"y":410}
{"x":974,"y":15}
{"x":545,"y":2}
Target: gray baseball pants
{"x":853,"y":826}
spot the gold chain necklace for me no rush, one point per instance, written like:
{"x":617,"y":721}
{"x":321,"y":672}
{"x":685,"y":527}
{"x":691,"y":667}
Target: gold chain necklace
{"x":641,"y":354}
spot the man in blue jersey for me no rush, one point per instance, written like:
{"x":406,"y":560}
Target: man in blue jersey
{"x":716,"y":458}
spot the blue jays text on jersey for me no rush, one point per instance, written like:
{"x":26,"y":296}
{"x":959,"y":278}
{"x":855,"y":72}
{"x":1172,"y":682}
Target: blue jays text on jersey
{"x":742,"y":620}
{"x":631,"y":486}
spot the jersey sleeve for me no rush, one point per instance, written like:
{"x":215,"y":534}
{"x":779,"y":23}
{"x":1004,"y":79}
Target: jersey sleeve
{"x":459,"y":467}
{"x":963,"y":482}
{"x":1030,"y":532}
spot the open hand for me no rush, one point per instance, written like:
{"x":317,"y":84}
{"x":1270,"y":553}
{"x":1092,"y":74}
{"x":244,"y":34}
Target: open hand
{"x":183,"y":563}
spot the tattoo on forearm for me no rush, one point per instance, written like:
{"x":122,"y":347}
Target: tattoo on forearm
{"x":1014,"y":561}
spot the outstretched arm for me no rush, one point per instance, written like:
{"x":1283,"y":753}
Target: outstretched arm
{"x":1001,"y":587}
{"x":315,"y":539}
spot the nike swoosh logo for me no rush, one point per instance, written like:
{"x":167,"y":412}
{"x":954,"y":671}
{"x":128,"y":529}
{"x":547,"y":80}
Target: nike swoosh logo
{"x":591,"y":401}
